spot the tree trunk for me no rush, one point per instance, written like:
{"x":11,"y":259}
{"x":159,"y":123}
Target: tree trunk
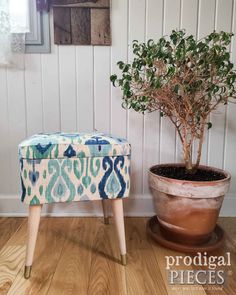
{"x":188,"y":158}
{"x":199,"y":151}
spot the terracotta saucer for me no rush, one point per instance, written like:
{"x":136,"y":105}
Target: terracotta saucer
{"x":216,"y":241}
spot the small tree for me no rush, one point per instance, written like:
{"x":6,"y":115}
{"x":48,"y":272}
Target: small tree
{"x":184,"y":79}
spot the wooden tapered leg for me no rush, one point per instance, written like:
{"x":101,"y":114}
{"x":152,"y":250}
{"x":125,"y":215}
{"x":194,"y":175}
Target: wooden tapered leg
{"x":105,"y":211}
{"x":117,"y":208}
{"x":33,"y":225}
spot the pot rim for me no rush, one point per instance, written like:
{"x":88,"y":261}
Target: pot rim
{"x":226,"y":173}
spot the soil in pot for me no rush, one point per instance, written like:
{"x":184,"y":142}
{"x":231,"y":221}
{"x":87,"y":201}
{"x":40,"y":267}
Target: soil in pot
{"x":182,"y":174}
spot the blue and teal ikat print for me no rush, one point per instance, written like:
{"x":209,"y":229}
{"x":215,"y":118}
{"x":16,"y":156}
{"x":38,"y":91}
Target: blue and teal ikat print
{"x":74,"y":167}
{"x":68,"y":145}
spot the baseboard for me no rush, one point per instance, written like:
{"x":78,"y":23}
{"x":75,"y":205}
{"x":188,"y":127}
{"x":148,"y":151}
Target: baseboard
{"x":229,"y":206}
{"x":135,"y":206}
{"x":12,"y":206}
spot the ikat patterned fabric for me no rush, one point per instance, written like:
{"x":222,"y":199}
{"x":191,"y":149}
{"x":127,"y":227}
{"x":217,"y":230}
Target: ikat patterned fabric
{"x":68,"y":145}
{"x":66,"y":167}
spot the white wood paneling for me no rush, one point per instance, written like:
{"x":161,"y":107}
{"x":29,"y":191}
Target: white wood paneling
{"x":151,"y":149}
{"x":84,"y":70}
{"x":69,"y":90}
{"x":119,"y":51}
{"x":206,"y":17}
{"x":51,"y":88}
{"x":102,"y":103}
{"x":5,"y":143}
{"x":189,"y":22}
{"x":33,"y":94}
{"x":172,"y":17}
{"x":223,"y":20}
{"x":230,"y":138}
{"x":189,"y":16}
{"x":17,"y":121}
{"x":137,"y":28}
{"x":206,"y":24}
{"x":50,"y":91}
{"x":154,"y":19}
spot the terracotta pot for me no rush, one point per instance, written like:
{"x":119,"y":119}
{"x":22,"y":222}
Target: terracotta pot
{"x":187,"y":210}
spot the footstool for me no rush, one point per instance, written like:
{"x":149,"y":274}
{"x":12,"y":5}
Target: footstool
{"x":70,"y":167}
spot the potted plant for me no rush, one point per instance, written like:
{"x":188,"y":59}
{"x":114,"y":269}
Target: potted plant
{"x":185,"y":79}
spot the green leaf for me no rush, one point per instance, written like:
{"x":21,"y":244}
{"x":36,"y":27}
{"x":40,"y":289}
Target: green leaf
{"x":176,"y":88}
{"x":157,"y":84}
{"x":126,"y":68}
{"x":150,"y":42}
{"x":113,"y":79}
{"x":120,"y":64}
{"x":209,"y":125}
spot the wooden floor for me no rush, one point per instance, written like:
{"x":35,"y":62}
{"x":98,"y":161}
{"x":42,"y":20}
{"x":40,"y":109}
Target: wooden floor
{"x":81,"y":256}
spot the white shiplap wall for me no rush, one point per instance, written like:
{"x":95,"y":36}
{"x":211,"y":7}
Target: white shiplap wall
{"x":69,"y":90}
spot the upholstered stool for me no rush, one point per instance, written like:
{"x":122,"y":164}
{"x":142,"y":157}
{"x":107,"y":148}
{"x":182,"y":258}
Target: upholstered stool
{"x":66,"y":167}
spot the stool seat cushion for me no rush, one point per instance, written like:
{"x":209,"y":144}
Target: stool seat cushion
{"x":66,"y":167}
{"x":70,"y":145}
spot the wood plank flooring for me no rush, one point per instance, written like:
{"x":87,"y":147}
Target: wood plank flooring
{"x":81,"y":256}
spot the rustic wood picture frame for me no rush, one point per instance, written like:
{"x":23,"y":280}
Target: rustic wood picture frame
{"x":81,"y":22}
